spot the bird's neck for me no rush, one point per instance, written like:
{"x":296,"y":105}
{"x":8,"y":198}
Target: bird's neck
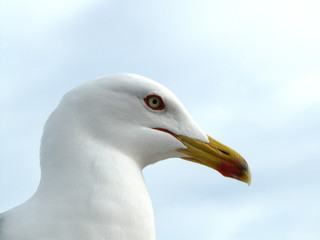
{"x":94,"y":189}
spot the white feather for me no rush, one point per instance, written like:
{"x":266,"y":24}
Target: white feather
{"x":93,"y":149}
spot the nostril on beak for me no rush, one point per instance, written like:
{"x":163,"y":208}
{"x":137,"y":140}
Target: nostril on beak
{"x":224,"y":152}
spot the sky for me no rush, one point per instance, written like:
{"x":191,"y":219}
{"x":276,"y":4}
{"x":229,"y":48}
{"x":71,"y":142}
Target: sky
{"x":247,"y":71}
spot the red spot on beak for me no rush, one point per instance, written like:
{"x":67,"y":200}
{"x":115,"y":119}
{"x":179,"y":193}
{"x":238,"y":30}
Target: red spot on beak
{"x":229,"y":169}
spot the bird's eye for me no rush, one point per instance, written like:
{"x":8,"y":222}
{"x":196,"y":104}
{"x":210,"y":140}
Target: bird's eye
{"x":155,"y":102}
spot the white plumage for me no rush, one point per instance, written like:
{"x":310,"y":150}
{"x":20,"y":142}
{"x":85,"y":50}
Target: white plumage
{"x":93,"y":149}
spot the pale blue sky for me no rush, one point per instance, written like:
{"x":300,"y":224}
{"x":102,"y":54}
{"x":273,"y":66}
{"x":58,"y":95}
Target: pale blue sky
{"x":247,"y":71}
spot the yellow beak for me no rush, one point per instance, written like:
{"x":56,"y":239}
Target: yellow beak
{"x":217,"y":156}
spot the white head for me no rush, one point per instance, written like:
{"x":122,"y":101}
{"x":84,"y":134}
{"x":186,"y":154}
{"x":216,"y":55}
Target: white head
{"x":144,"y":120}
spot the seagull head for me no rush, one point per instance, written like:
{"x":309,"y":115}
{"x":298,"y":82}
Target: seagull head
{"x":146,"y":121}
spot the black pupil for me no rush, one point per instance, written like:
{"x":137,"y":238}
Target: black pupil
{"x":154,"y":101}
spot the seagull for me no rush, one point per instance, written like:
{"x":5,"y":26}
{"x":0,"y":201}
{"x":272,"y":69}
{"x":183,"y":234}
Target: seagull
{"x":93,"y":149}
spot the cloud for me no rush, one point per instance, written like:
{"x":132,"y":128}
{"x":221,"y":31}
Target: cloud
{"x":301,"y":93}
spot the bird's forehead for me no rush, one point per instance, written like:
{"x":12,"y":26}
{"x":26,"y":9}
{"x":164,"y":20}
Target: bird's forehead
{"x":134,"y":84}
